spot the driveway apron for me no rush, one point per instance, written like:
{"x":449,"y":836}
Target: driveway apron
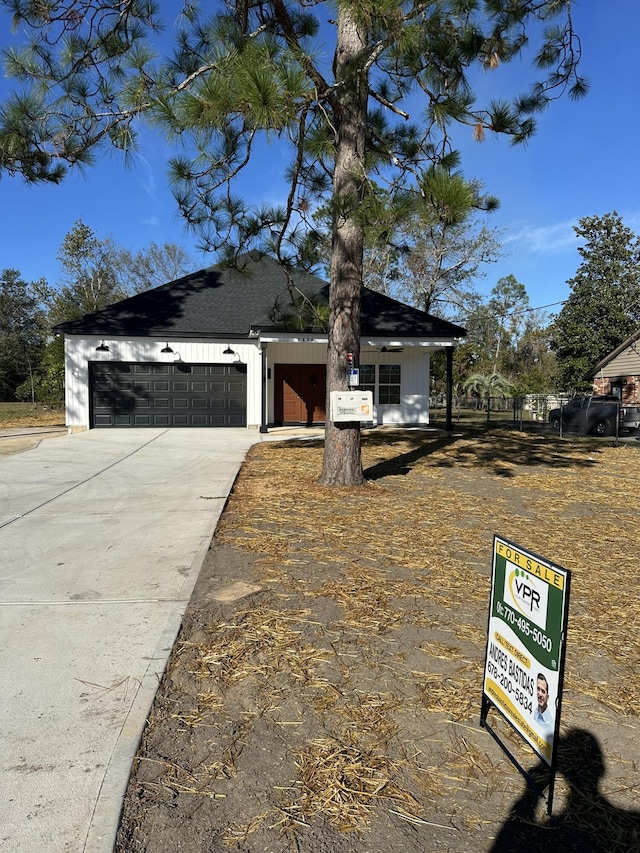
{"x":102,"y":536}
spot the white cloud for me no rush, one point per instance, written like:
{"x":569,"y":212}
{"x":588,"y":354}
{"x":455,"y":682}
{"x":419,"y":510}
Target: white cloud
{"x":555,"y":238}
{"x":145,"y":177}
{"x":548,"y":239}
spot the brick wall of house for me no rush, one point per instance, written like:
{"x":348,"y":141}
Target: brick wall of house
{"x":630,"y":387}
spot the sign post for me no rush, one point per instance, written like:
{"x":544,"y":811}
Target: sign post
{"x":526,"y":643}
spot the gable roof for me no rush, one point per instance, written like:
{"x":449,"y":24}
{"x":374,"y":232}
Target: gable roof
{"x":613,"y":354}
{"x":229,"y":302}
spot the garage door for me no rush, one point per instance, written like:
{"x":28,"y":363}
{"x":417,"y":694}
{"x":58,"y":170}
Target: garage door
{"x":171,"y":395}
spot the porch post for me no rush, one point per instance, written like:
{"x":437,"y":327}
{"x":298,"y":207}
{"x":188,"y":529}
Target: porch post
{"x":449,"y":392}
{"x":264,"y":420}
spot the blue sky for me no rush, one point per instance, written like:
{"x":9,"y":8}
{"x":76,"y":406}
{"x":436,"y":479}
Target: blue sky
{"x":583,"y":161}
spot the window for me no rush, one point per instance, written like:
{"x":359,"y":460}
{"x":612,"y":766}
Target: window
{"x":368,"y":378}
{"x":389,"y":384}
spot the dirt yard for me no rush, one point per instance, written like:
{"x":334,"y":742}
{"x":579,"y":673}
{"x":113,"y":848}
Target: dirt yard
{"x":324,"y":693}
{"x":22,"y":427}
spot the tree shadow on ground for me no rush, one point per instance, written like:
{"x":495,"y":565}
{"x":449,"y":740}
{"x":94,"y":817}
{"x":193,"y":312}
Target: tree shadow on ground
{"x":403,"y":463}
{"x":588,"y":823}
{"x":497,"y":451}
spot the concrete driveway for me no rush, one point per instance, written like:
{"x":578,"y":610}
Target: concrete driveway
{"x":25,"y":438}
{"x":102,"y":536}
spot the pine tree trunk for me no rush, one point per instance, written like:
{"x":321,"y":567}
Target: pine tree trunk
{"x":342,"y":464}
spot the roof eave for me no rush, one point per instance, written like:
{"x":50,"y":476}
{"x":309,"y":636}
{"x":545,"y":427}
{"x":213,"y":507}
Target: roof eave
{"x":613,"y":354}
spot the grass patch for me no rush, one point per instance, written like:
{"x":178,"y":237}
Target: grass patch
{"x":26,"y":414}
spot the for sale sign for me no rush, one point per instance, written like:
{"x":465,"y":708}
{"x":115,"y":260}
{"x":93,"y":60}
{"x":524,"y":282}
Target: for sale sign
{"x":526,"y":641}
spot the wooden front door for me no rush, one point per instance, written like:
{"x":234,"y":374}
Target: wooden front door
{"x":300,"y":393}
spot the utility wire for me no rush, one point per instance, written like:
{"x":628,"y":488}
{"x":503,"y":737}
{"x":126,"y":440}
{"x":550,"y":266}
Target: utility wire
{"x":539,"y":308}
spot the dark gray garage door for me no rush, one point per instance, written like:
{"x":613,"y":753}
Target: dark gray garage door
{"x":172,"y":395}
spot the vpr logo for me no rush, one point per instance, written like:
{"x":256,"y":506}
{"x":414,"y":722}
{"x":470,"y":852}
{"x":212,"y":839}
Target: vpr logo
{"x":528,"y":595}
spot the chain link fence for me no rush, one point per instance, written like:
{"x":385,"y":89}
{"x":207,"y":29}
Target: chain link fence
{"x":528,"y":412}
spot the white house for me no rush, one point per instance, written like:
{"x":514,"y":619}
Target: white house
{"x":241,"y":346}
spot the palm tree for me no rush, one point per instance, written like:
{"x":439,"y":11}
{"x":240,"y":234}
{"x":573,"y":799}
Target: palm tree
{"x":488,"y":385}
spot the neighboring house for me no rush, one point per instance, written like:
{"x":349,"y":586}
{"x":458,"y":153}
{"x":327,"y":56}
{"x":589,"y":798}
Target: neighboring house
{"x":241,"y":347}
{"x":619,"y":372}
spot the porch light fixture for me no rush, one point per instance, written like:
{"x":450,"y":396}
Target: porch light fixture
{"x":103,"y":347}
{"x":228,"y":351}
{"x":166,"y":353}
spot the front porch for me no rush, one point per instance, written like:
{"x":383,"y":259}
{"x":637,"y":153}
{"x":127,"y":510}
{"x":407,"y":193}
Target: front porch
{"x":397,"y":374}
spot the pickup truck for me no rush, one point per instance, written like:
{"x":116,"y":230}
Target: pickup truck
{"x":595,"y":415}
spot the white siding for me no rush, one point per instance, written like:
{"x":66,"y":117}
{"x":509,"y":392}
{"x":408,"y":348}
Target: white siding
{"x":414,"y":362}
{"x":414,"y":386}
{"x":79,"y":351}
{"x":289,"y":353}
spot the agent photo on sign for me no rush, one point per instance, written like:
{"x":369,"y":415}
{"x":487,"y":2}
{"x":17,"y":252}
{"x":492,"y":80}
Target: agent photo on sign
{"x":543,"y":714}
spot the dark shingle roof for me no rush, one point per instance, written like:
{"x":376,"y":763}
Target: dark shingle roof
{"x":227,"y":302}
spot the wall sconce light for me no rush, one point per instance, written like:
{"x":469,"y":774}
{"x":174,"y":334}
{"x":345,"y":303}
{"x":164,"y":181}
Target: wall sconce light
{"x":230,"y":356}
{"x":103,"y":352}
{"x":166,"y":350}
{"x":103,"y":347}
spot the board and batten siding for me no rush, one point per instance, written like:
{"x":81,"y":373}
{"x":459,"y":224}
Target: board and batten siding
{"x":414,"y":386}
{"x":414,"y":390}
{"x":80,"y":351}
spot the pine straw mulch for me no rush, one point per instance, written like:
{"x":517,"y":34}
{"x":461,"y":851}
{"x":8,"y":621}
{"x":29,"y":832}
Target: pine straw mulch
{"x":324,"y":692}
